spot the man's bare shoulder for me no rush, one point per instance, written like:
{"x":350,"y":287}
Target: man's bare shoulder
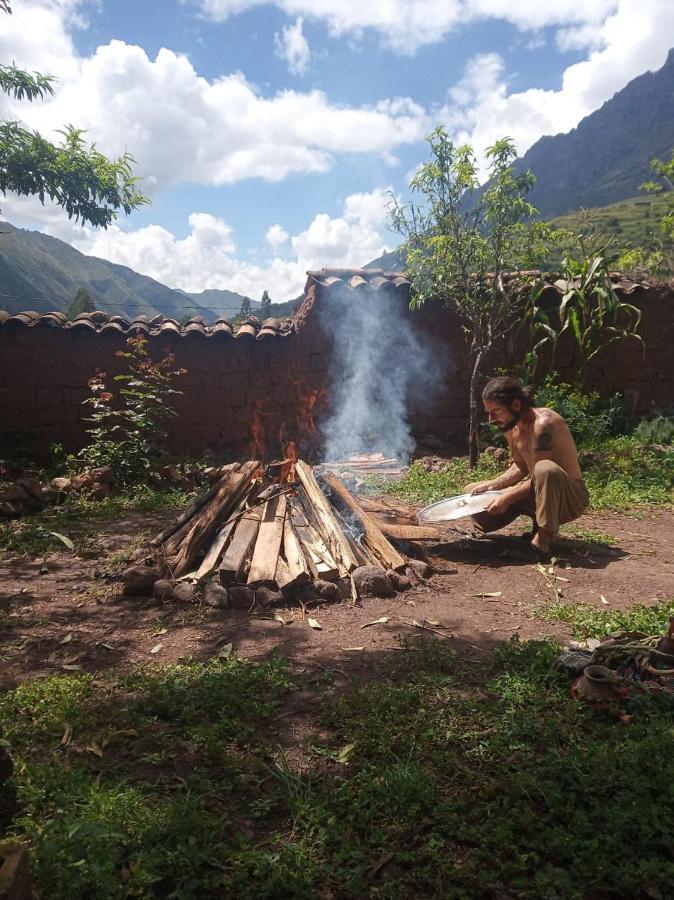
{"x":547,"y":418}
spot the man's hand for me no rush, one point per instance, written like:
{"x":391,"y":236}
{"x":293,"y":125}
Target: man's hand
{"x":499,"y":505}
{"x":477,"y":487}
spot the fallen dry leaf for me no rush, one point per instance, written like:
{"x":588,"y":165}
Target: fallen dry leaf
{"x":314,"y":624}
{"x":226,"y":651}
{"x":344,"y":753}
{"x":489,"y":594}
{"x":381,"y":621}
{"x":279,"y":618}
{"x":156,"y":648}
{"x":66,"y":640}
{"x":352,"y":649}
{"x":603,"y":599}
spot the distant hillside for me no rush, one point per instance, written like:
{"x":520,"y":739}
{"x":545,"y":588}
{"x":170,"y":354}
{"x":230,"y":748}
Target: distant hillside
{"x":41,"y":273}
{"x":607,"y":157}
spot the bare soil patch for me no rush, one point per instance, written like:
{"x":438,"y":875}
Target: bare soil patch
{"x":59,"y":615}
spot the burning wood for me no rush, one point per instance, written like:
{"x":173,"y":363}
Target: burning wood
{"x":289,"y":537}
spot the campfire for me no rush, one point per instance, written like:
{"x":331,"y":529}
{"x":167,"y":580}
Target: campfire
{"x":285,"y":532}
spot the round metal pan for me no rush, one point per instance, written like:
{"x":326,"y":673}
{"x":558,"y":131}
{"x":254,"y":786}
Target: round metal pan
{"x":456,"y":507}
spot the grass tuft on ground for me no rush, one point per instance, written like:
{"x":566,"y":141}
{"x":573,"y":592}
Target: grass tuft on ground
{"x":447,"y":778}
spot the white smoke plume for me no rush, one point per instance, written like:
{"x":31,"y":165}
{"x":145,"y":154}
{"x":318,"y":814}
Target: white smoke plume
{"x":381,"y":365}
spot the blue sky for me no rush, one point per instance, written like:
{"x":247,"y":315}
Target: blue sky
{"x":269,"y":134}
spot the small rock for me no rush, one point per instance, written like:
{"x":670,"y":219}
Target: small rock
{"x":326,"y":589}
{"x":163,"y":589}
{"x":420,"y":568}
{"x":50,"y":494}
{"x":240,"y":597}
{"x":103,"y":475}
{"x":8,"y":510}
{"x":372,"y":581}
{"x":185,"y":592}
{"x":217,"y":596}
{"x":399,"y":582}
{"x":32,"y":486}
{"x":14,"y":493}
{"x":266,"y":597}
{"x":82,"y":482}
{"x":61,"y":484}
{"x":101,"y":490}
{"x":139,"y":580}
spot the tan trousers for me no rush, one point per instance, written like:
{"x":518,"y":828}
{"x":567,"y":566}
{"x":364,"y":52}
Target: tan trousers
{"x":554,"y":498}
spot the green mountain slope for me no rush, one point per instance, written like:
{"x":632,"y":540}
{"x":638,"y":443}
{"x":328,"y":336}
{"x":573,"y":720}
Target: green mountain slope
{"x":39,"y":272}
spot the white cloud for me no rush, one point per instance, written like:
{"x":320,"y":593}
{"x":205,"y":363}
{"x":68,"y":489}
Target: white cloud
{"x":179,"y":126}
{"x":209,"y":258}
{"x":636,"y":37}
{"x":292,"y":46}
{"x":276,"y":237}
{"x":408,"y":24}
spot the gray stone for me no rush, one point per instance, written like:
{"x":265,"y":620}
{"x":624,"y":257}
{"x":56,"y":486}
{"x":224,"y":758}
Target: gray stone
{"x":265,"y":596}
{"x":328,"y":590}
{"x":61,"y":484}
{"x":184,"y":592}
{"x":420,"y":568}
{"x":241,"y":597}
{"x":8,"y":510}
{"x":139,"y":580}
{"x":372,"y":581}
{"x":217,"y":596}
{"x":399,"y":582}
{"x":163,"y":589}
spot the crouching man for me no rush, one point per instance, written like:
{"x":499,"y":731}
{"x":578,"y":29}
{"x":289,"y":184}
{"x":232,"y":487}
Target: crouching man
{"x":544,"y":480}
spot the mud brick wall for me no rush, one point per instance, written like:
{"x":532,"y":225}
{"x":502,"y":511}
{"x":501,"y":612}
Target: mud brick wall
{"x":233,"y":387}
{"x":245,"y":396}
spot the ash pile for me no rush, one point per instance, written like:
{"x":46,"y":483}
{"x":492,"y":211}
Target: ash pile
{"x":254,"y":538}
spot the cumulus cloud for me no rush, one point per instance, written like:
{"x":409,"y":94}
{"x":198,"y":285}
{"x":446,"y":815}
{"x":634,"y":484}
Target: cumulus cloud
{"x":292,"y":46}
{"x":179,"y":126}
{"x":408,"y":24}
{"x":276,"y":237}
{"x":208,"y":257}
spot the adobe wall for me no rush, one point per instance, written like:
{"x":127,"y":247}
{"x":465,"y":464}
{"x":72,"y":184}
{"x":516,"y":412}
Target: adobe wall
{"x":238,"y":390}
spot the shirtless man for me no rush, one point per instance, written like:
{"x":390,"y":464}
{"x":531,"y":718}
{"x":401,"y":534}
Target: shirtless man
{"x":544,"y":480}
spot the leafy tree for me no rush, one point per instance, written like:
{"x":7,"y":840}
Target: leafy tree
{"x":664,"y":169}
{"x":128,"y":432}
{"x":90,"y":187}
{"x":80,"y":303}
{"x":461,"y":246}
{"x":245,"y":308}
{"x":265,"y":305}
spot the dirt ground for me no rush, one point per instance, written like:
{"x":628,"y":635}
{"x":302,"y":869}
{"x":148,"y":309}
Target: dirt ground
{"x":59,"y":615}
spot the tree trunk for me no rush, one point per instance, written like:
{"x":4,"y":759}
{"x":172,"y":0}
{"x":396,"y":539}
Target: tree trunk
{"x":475,"y":407}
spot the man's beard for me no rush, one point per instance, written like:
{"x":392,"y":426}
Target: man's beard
{"x":511,"y":424}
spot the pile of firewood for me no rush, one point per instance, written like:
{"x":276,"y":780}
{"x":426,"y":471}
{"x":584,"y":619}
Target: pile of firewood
{"x":281,"y":540}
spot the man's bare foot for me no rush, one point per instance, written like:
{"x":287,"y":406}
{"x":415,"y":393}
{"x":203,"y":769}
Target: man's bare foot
{"x":541,"y":541}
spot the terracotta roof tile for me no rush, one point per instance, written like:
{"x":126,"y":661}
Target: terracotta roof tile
{"x":104,"y":323}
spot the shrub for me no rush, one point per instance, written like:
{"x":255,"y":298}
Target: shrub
{"x":591,"y":418}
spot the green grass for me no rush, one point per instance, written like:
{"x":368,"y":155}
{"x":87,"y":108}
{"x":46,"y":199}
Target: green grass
{"x":588,"y":535}
{"x":624,"y":475}
{"x":34,"y":534}
{"x":587,"y":621}
{"x":428,"y":783}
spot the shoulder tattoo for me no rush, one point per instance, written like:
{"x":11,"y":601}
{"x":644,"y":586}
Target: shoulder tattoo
{"x":544,"y":440}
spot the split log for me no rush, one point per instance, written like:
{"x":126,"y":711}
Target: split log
{"x":268,"y":543}
{"x":318,"y":557}
{"x":406,"y":532}
{"x":215,"y":513}
{"x":240,"y":547}
{"x":193,"y":508}
{"x":331,"y":531}
{"x":297,"y":569}
{"x":373,"y":539}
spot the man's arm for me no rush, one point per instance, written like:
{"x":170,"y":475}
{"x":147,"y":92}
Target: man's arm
{"x":545,"y":434}
{"x":512,"y":475}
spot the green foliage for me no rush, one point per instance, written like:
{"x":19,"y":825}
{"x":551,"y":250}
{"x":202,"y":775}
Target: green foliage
{"x":591,"y":418}
{"x":590,"y":312}
{"x":657,"y":429}
{"x":664,"y":170}
{"x":129,"y":436}
{"x":37,"y":534}
{"x":265,"y":305}
{"x":625,"y":474}
{"x":80,"y":303}
{"x":459,"y":245}
{"x":163,"y":783}
{"x":245,"y":307}
{"x":80,"y":179}
{"x":588,"y":621}
{"x":419,"y":486}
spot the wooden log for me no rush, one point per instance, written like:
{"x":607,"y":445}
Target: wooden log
{"x":331,"y":531}
{"x":268,"y":543}
{"x":373,"y":539}
{"x":318,"y":557}
{"x":406,"y":532}
{"x":193,"y":508}
{"x":297,"y":566}
{"x":214,"y":514}
{"x":237,"y":554}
